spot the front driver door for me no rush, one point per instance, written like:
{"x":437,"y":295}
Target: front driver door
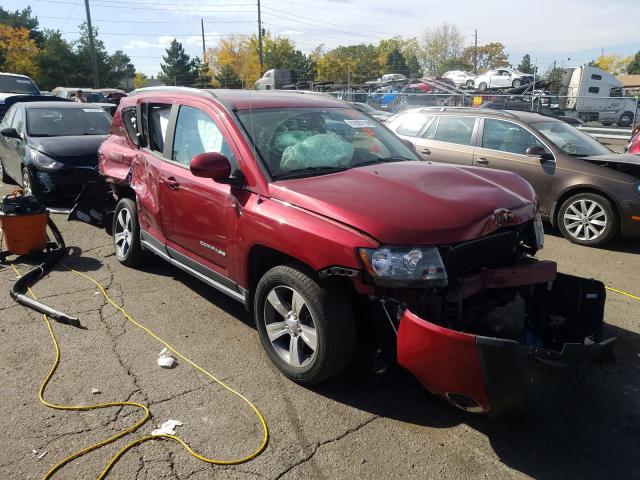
{"x":197,"y":213}
{"x":503,"y":145}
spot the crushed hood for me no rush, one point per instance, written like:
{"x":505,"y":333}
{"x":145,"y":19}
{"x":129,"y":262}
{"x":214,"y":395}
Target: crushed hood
{"x":413,"y":202}
{"x":75,"y":148}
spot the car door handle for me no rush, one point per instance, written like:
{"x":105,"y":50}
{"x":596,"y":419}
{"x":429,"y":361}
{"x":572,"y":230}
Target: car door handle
{"x":482,"y":161}
{"x":171,"y":182}
{"x":426,"y":151}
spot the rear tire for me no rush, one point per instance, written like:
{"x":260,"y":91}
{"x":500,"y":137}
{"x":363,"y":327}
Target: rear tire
{"x":126,"y":234}
{"x":482,"y":86}
{"x":306,"y":327}
{"x":588,"y":219}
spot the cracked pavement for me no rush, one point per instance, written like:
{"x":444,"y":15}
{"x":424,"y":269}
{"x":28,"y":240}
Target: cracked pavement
{"x":357,"y":426}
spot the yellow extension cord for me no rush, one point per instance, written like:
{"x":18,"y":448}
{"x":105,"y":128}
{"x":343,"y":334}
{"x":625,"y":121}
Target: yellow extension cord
{"x":147,"y":413}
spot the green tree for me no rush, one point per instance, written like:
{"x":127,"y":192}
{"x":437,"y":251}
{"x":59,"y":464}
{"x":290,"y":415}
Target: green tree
{"x":82,"y":75}
{"x":56,"y":61}
{"x":177,"y":68}
{"x":227,"y":77}
{"x":354,"y":63}
{"x":121,"y":68}
{"x":396,"y":64}
{"x":439,"y":46}
{"x":525,"y":65}
{"x":23,"y":19}
{"x":634,"y":65}
{"x":140,"y":80}
{"x":204,"y":77}
{"x":413,"y":66}
{"x":457,"y":63}
{"x":491,"y":55}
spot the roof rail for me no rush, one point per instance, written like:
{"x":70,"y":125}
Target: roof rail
{"x":505,"y":113}
{"x":170,"y":89}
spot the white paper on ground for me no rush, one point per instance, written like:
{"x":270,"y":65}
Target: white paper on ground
{"x":167,"y":428}
{"x":165,"y":360}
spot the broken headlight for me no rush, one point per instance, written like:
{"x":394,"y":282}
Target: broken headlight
{"x":539,"y":231}
{"x":43,"y":162}
{"x":405,"y":266}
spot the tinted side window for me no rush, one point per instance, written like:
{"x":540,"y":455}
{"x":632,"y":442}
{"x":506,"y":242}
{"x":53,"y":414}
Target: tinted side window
{"x":157,"y":120}
{"x":594,"y":90}
{"x":8,"y":117}
{"x":130,"y":120}
{"x":430,"y":133}
{"x":507,"y":137}
{"x":456,"y":130}
{"x":18,"y":120}
{"x":411,"y":123}
{"x":196,"y":133}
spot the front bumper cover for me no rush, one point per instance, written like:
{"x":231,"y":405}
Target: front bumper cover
{"x":485,"y":374}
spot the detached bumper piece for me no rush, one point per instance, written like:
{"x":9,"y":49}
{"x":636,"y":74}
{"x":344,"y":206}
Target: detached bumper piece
{"x":558,"y":332}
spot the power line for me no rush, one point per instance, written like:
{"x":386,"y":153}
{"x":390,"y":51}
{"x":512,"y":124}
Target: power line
{"x":144,"y":21}
{"x":348,"y":27}
{"x":193,"y":11}
{"x":153,"y":3}
{"x":136,"y":34}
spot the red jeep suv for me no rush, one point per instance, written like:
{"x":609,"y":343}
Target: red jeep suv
{"x":328,"y":227}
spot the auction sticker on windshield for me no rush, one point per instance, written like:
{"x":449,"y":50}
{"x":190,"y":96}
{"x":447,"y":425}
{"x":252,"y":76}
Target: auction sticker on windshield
{"x":89,"y":110}
{"x":359,"y":123}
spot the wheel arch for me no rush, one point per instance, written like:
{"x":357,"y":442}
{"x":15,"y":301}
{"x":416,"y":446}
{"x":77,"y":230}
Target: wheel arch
{"x":262,"y":258}
{"x":570,"y":192}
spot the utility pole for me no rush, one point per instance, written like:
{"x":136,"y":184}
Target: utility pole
{"x":475,"y":53}
{"x":260,"y":38}
{"x":204,"y":47}
{"x":92,"y":45}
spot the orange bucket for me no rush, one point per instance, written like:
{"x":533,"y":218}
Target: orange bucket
{"x":23,"y":234}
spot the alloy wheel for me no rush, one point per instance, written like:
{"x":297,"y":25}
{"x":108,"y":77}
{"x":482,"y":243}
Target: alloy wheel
{"x":585,"y":219}
{"x":123,"y":233}
{"x":290,"y":326}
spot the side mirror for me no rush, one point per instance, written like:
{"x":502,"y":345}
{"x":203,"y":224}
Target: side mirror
{"x":212,"y":165}
{"x":540,"y":152}
{"x":409,"y":144}
{"x":10,"y":132}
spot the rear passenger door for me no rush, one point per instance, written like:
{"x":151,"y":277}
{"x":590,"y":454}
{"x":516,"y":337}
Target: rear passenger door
{"x":448,"y":139}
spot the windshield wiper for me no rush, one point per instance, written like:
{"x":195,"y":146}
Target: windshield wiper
{"x":381,"y":160}
{"x":307,"y":172}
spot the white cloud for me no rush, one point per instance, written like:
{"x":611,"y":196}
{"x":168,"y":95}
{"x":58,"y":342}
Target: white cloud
{"x":290,"y":32}
{"x":133,"y":44}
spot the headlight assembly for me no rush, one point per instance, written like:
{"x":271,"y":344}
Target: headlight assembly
{"x":539,"y":231}
{"x":43,"y":162}
{"x":405,"y":266}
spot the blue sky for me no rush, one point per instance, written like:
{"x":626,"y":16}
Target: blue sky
{"x":568,"y":31}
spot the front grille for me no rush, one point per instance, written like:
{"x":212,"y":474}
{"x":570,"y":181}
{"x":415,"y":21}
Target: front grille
{"x":496,"y":250}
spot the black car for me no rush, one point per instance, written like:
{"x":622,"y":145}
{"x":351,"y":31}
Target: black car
{"x":51,"y":148}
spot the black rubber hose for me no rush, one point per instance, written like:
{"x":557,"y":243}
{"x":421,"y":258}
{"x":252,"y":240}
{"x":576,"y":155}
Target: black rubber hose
{"x":19,"y":289}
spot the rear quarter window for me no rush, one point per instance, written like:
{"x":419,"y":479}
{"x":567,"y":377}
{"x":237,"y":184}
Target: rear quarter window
{"x":410,"y":124}
{"x":130,"y":121}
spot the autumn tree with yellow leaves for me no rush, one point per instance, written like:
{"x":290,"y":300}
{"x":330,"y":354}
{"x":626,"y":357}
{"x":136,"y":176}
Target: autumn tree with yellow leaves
{"x":18,"y":52}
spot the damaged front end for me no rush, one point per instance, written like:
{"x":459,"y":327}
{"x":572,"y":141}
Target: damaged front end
{"x":507,"y":332}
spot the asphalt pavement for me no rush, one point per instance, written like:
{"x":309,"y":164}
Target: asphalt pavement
{"x":357,"y":426}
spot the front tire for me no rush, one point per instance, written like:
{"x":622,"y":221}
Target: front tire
{"x":516,"y":83}
{"x":28,"y":186}
{"x":588,"y":219}
{"x":482,"y":87}
{"x":626,"y":119}
{"x":126,"y":234}
{"x":306,"y":327}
